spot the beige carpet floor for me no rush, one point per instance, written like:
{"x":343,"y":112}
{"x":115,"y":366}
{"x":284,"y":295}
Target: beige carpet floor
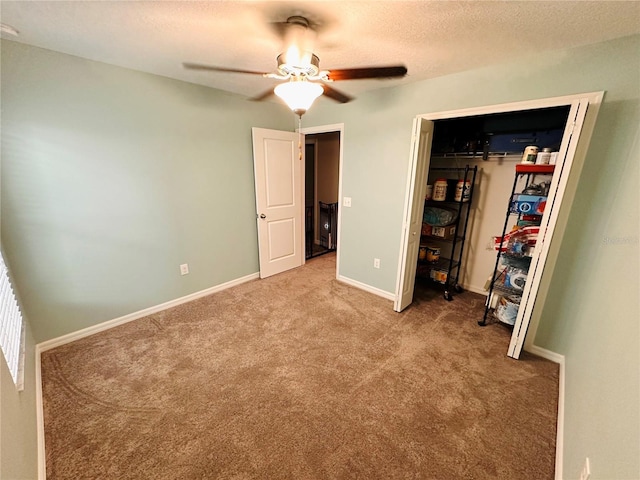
{"x":300,"y":376}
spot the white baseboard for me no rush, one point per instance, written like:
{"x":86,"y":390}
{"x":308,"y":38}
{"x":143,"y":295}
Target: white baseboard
{"x":85,"y":332}
{"x":389,"y":295}
{"x":42,"y":466}
{"x":546,"y":354}
{"x":559,"y":359}
{"x":556,"y":358}
{"x":367,"y":288}
{"x":70,"y":337}
{"x":478,"y":290}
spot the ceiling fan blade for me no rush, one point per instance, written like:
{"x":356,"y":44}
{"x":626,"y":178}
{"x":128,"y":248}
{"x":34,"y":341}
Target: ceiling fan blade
{"x":367,"y":72}
{"x":262,"y":96}
{"x":212,"y":68}
{"x":336,"y":95}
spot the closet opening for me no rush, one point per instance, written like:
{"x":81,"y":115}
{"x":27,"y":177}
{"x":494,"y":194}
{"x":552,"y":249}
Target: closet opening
{"x":478,"y":154}
{"x":502,"y":145}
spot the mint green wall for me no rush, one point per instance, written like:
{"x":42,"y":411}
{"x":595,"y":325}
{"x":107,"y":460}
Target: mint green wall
{"x":591,"y":312}
{"x":112,"y":178}
{"x":592,"y":316}
{"x":377,"y":136}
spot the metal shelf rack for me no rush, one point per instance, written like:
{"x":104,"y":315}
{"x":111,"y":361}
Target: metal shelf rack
{"x":446,"y":271}
{"x":528,"y":172}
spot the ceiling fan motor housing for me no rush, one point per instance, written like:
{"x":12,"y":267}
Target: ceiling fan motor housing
{"x":309,"y":70}
{"x":297,"y":57}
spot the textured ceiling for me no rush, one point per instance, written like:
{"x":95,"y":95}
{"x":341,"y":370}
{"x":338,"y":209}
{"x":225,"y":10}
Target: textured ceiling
{"x":432,"y":38}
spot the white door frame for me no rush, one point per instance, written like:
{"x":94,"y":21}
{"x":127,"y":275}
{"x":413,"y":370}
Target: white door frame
{"x":337,"y":127}
{"x":594,"y":100}
{"x":316,"y":211}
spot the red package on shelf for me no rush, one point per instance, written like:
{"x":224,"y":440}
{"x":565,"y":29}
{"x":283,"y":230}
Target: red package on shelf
{"x":525,"y":168}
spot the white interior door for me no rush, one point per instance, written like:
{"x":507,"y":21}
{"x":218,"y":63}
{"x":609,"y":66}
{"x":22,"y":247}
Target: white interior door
{"x":547,"y":226}
{"x":413,"y":212}
{"x":279,"y":200}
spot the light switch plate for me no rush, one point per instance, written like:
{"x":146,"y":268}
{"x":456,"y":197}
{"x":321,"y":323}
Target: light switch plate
{"x":346,"y":202}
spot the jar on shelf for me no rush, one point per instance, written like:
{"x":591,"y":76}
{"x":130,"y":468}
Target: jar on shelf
{"x":463,"y":191}
{"x":432,"y":254}
{"x":543,"y":157}
{"x":429,"y":194}
{"x":440,"y":190}
{"x":530,"y":154}
{"x":422,"y":252}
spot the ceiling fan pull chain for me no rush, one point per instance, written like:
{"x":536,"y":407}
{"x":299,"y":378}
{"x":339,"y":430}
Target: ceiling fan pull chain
{"x":300,"y":137}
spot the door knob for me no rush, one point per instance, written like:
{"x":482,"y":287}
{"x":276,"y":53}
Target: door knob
{"x":263,"y":216}
{"x":414,"y":233}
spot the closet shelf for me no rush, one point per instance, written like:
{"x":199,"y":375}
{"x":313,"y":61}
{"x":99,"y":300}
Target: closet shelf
{"x":428,"y":238}
{"x":442,"y":264}
{"x":476,"y":155}
{"x":526,"y":168}
{"x":518,"y":261}
{"x":504,"y":290}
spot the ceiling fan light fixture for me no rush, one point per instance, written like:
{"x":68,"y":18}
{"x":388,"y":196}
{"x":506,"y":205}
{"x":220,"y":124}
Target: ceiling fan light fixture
{"x":299,"y":95}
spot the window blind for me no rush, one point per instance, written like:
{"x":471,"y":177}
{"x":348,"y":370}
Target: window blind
{"x":11,"y":327}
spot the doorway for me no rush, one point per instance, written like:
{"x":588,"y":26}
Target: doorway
{"x":325,"y":144}
{"x":322,"y":168}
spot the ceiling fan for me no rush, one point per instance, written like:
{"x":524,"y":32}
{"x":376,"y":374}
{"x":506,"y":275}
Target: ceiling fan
{"x":299,"y":67}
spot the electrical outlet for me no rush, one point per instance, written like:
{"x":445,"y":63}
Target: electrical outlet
{"x":376,"y":263}
{"x":184,"y":269}
{"x":346,"y":201}
{"x":585,"y":474}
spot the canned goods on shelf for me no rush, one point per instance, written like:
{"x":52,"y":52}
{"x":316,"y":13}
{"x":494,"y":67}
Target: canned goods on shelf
{"x":463,"y":191}
{"x":429,"y":194}
{"x":530,"y":154}
{"x":543,"y":157}
{"x":440,"y":190}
